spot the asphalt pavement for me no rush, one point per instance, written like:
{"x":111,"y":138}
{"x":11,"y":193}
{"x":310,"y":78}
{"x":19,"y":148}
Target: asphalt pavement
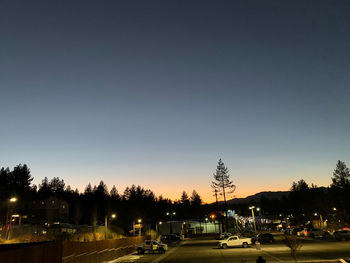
{"x":205,"y":250}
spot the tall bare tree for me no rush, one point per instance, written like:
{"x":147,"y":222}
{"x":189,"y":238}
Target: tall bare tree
{"x":223,"y":184}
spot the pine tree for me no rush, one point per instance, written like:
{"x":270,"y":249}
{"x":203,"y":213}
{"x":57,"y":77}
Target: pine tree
{"x":301,"y":185}
{"x":195,"y":198}
{"x":44,"y":187}
{"x":114,"y":192}
{"x":223,"y":184}
{"x":88,"y":189}
{"x":57,"y":185}
{"x":341,"y":176}
{"x":184,"y":198}
{"x":20,"y":179}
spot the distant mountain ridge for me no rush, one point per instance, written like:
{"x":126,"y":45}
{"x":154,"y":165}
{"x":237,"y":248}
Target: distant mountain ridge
{"x":256,"y":197}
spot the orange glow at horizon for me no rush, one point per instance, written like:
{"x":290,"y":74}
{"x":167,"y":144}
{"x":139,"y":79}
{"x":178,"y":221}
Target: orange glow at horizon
{"x":172,"y":185}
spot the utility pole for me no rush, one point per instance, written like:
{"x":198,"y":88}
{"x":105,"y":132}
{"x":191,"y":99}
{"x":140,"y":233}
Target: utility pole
{"x":252,"y":208}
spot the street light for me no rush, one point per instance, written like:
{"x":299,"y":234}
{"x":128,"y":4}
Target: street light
{"x":171,"y":214}
{"x":206,"y":229}
{"x":13,"y":199}
{"x":106,"y":224}
{"x":252,"y":208}
{"x":212,"y":217}
{"x":321,"y":220}
{"x":157,"y":227}
{"x":139,"y":221}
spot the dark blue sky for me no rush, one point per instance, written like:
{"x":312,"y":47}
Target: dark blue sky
{"x":155,"y":92}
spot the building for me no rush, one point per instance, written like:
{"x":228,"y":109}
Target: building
{"x":190,"y":227}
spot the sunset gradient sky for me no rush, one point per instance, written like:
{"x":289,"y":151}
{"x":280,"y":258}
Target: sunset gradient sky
{"x":153,"y":93}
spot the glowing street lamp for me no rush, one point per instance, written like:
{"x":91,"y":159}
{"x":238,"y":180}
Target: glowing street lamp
{"x":106,"y":224}
{"x":206,"y":221}
{"x":139,"y":226}
{"x":321,"y":220}
{"x":171,"y":214}
{"x":139,"y":221}
{"x":10,"y":209}
{"x":13,"y":199}
{"x":157,"y":227}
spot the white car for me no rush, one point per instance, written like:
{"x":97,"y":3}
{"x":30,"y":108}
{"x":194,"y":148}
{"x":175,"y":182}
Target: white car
{"x":235,"y":241}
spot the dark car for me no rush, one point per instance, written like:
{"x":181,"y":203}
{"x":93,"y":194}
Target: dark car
{"x":297,"y":230}
{"x":170,"y":237}
{"x":342,"y":235}
{"x":247,"y":233}
{"x":263,"y":238}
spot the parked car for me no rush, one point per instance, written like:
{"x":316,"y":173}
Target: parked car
{"x":170,"y":237}
{"x":288,"y":231}
{"x":302,"y":232}
{"x":299,"y":231}
{"x":263,"y":238}
{"x":235,"y":241}
{"x":60,"y":229}
{"x":247,"y":233}
{"x":342,"y":235}
{"x":151,"y":246}
{"x":316,"y":232}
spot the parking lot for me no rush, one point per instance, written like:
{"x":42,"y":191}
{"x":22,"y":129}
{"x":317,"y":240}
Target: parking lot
{"x":205,"y":250}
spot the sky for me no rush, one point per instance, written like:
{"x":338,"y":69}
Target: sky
{"x":153,"y":93}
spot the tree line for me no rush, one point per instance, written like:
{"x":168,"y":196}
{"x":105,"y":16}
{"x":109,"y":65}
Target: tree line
{"x":304,"y":202}
{"x":91,"y":206}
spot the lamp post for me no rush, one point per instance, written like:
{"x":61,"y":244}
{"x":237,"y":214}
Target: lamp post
{"x":106,"y":224}
{"x":321,"y":220}
{"x":212,"y":217}
{"x":12,"y":200}
{"x":157,"y":227}
{"x":139,"y":221}
{"x":206,"y":229}
{"x":259,"y":217}
{"x":171,"y":214}
{"x":252,"y":208}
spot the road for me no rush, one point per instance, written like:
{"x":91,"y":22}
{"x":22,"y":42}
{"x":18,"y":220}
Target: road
{"x":202,"y":250}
